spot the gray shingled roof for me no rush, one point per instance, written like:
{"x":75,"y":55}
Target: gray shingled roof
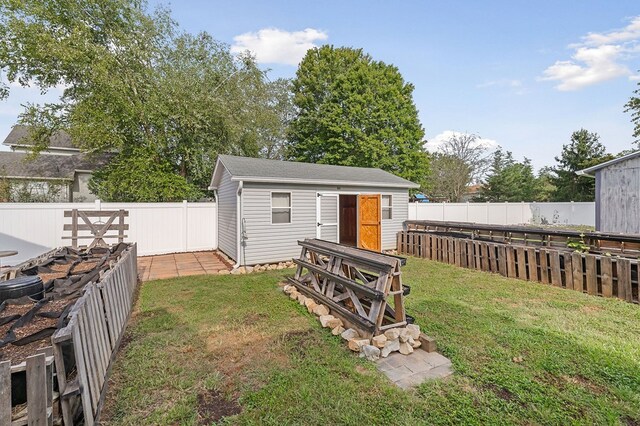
{"x":590,"y":171}
{"x":46,"y":166}
{"x":19,"y":135}
{"x":259,"y":169}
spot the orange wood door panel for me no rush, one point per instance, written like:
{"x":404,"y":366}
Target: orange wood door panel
{"x":370,"y":228}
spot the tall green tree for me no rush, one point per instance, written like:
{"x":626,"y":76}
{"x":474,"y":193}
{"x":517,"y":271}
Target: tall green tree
{"x":165,"y":102}
{"x":449,"y":177}
{"x":510,"y":180}
{"x":633,"y":107}
{"x":355,"y":111}
{"x":583,"y":151}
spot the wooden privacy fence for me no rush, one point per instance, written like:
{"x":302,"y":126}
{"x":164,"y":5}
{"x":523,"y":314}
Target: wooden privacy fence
{"x":96,"y":325}
{"x":607,"y":276}
{"x":82,"y":353}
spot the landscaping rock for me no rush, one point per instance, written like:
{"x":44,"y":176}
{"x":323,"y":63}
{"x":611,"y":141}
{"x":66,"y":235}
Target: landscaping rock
{"x":414,"y":331}
{"x":371,"y":352}
{"x":379,"y":341}
{"x":335,"y":322}
{"x":356,"y":345}
{"x":310,"y":304}
{"x":406,"y":348}
{"x":390,"y":346}
{"x":321,"y":310}
{"x":302,"y":299}
{"x":249,"y":269}
{"x":324,"y":320}
{"x":338,"y":330}
{"x":223,"y":272}
{"x":350,"y":334}
{"x":294,"y":295}
{"x":414,"y":343}
{"x":392,"y":334}
{"x":404,"y":335}
{"x":288,"y":288}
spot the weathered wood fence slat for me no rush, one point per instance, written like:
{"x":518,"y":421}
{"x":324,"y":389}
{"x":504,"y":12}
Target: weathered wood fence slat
{"x":96,"y":325}
{"x":82,"y":354}
{"x":594,"y":274}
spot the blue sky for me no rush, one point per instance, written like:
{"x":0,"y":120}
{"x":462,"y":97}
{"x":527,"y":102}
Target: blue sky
{"x":522,"y":74}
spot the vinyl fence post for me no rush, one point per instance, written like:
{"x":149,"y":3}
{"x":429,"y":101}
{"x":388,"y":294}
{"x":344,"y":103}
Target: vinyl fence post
{"x":185,"y":225}
{"x":506,"y":213}
{"x":573,"y":210}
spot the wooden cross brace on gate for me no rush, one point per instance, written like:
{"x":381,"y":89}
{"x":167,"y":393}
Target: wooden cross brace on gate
{"x":98,"y":229}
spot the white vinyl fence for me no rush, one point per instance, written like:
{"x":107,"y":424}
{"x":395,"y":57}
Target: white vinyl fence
{"x":33,"y":228}
{"x":507,"y":213}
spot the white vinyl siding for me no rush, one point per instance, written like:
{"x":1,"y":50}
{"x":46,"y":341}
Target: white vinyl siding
{"x":227,"y":215}
{"x":267,"y":242}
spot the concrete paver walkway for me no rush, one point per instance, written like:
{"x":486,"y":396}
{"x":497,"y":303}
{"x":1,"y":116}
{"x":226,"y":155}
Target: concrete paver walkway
{"x":180,"y":265}
{"x":407,"y":371}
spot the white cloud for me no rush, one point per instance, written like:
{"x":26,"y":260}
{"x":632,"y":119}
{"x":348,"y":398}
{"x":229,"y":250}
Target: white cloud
{"x":598,"y":57}
{"x":629,"y":33}
{"x":501,"y":83}
{"x":276,"y":46}
{"x":436,"y":142}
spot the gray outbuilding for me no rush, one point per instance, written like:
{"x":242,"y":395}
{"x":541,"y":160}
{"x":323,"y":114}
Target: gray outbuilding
{"x":266,"y":206}
{"x":617,"y":194}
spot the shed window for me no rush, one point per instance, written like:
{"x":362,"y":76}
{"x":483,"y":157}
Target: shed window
{"x":387,"y":207}
{"x":280,"y":207}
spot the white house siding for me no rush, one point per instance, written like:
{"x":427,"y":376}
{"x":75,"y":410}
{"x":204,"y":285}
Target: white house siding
{"x":277,"y":242}
{"x":227,"y":215}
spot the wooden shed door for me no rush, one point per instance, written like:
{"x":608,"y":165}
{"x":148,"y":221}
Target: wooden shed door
{"x":370,"y":235}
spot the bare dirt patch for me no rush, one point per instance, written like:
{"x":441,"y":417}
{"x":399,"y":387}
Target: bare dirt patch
{"x":213,"y":407}
{"x":584,"y":382}
{"x":501,"y":392}
{"x":238,"y":351}
{"x":588,"y":309}
{"x":626,"y":420}
{"x":300,"y":341}
{"x":254,"y":318}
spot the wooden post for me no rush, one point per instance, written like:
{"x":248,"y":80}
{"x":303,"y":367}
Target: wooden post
{"x":592,"y":279}
{"x":5,"y":393}
{"x":606,"y":276}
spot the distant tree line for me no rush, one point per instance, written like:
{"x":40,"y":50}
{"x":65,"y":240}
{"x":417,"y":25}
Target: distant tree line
{"x":164,"y":103}
{"x":503,"y":178}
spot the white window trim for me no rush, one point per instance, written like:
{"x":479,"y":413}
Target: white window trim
{"x":390,"y":208}
{"x":290,"y":207}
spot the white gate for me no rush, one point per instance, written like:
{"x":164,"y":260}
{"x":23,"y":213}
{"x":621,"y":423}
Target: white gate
{"x":327,"y":217}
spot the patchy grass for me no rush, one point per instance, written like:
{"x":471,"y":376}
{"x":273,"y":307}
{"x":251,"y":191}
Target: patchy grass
{"x":234,"y":349}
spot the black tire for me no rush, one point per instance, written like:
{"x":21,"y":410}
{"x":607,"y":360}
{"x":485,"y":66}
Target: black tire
{"x":30,"y":286}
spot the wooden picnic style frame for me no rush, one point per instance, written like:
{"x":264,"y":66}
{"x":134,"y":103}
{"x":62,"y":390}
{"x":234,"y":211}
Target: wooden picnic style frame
{"x":362,"y":287}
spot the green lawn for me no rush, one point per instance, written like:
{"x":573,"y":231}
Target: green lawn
{"x":198,"y":344}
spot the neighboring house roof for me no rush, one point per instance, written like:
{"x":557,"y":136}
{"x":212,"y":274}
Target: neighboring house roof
{"x":590,"y":171}
{"x":18,"y":165}
{"x":19,"y":137}
{"x":263,"y":170}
